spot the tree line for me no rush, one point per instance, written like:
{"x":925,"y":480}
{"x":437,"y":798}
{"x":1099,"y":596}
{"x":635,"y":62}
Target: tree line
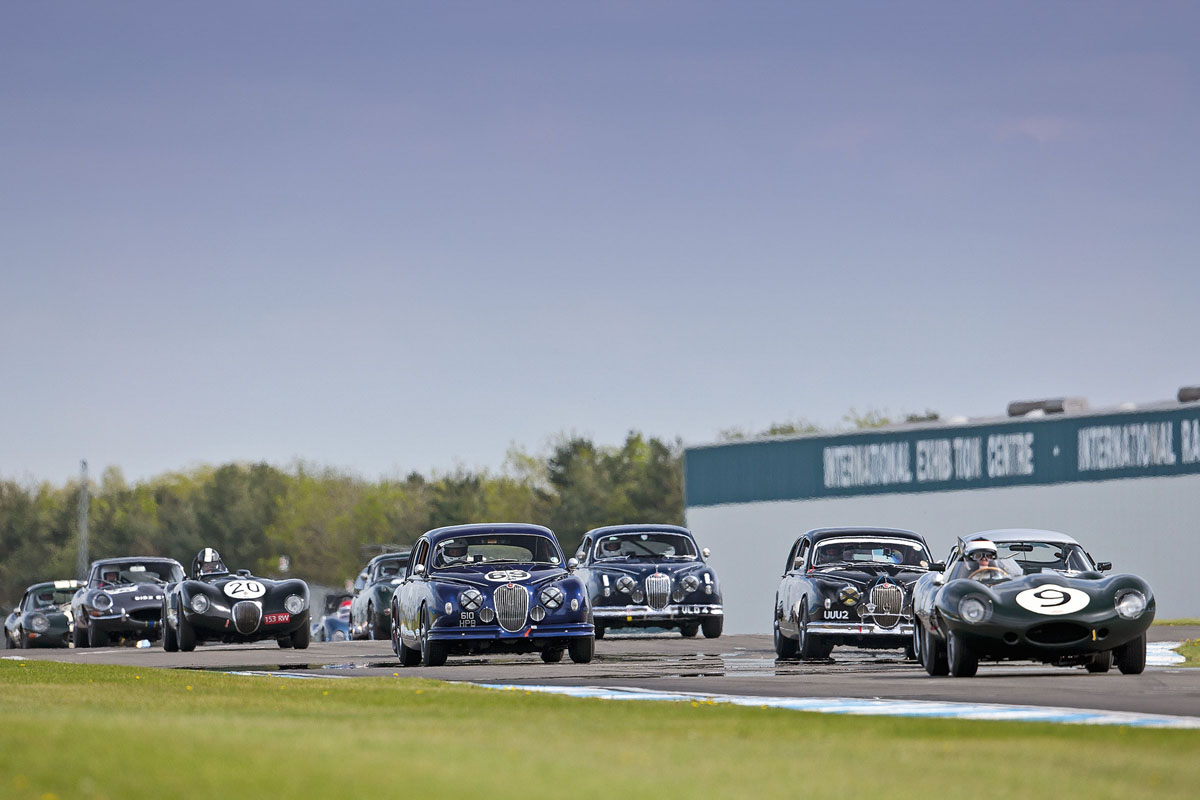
{"x":322,"y":524}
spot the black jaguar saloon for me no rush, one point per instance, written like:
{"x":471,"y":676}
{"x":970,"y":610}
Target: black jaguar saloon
{"x":490,"y":588}
{"x":848,"y":586}
{"x":650,"y":576}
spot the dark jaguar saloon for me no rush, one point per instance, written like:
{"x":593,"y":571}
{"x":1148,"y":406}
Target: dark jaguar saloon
{"x":490,"y":588}
{"x":848,"y":586}
{"x":650,"y":576}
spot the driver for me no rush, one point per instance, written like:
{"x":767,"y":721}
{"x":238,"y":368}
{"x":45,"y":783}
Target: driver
{"x":45,"y":599}
{"x":208,"y":563}
{"x":112,"y":575}
{"x":980,"y":555}
{"x":611,"y":547}
{"x":454,"y":552}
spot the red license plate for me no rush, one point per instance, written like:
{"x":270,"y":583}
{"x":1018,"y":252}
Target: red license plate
{"x":276,"y":619}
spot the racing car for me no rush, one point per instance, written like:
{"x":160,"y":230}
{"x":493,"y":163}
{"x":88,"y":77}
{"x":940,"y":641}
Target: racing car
{"x":122,"y":599}
{"x":216,"y":605}
{"x":43,"y":618}
{"x":1029,"y":595}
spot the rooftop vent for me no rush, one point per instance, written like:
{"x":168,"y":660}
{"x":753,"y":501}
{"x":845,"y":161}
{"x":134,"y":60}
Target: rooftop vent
{"x":1189,"y":394}
{"x":1053,"y":405}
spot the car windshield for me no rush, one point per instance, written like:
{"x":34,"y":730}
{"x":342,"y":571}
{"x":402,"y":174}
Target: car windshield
{"x":506,"y":548}
{"x":897,"y":552}
{"x":50,"y":598}
{"x":646,"y":545}
{"x":132,"y":572}
{"x":987,"y":569}
{"x":1042,"y":556}
{"x":389,"y":569}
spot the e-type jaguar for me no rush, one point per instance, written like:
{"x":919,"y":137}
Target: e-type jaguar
{"x":849,"y":586}
{"x":216,"y":605}
{"x":43,"y":617}
{"x":122,"y":599}
{"x":1029,"y":595}
{"x":490,"y":588}
{"x":650,"y":576}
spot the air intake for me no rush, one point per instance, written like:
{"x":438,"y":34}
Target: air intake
{"x":658,"y":588}
{"x":246,"y":616}
{"x":512,"y":605}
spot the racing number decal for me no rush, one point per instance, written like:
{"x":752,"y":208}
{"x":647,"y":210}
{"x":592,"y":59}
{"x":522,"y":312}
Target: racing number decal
{"x":507,"y":575}
{"x":245,"y":590}
{"x":1053,"y":600}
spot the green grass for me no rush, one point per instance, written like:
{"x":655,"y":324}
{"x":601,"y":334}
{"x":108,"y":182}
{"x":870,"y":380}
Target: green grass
{"x":1190,"y":650}
{"x":1177,"y":622}
{"x":80,"y":731}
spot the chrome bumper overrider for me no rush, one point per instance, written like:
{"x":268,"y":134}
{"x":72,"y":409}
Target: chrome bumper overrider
{"x":860,"y":629}
{"x":673,"y":611}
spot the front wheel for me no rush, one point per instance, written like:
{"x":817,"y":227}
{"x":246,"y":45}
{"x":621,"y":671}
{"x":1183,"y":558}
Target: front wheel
{"x":96,"y":637}
{"x":712,"y":627}
{"x":1131,"y":656}
{"x":552,"y":655}
{"x":582,"y":649}
{"x":1101,"y":662}
{"x":185,"y":634}
{"x":79,"y":635}
{"x":599,"y":631}
{"x":433,"y":654}
{"x":962,"y":660}
{"x":169,"y":641}
{"x":810,"y":647}
{"x":378,"y":624}
{"x":933,"y":653}
{"x":300,"y":637}
{"x":785,"y":646}
{"x":689,"y":629}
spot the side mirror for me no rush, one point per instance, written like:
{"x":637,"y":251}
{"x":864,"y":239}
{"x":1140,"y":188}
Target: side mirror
{"x":1104,"y":566}
{"x":938,"y":566}
{"x":572,"y":564}
{"x":579,"y":554}
{"x":938,"y":580}
{"x":706,"y":553}
{"x":419,"y":570}
{"x":243,"y":573}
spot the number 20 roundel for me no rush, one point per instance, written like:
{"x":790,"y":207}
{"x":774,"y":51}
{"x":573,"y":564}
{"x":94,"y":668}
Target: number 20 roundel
{"x":1053,"y":600}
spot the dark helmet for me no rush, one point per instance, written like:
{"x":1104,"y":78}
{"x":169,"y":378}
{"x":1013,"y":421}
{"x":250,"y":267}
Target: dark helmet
{"x":208,"y":562}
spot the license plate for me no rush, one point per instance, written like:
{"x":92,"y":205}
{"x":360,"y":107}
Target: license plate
{"x":276,"y":619}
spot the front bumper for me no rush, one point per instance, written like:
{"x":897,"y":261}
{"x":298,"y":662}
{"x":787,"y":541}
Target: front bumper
{"x":675,"y":612}
{"x":902,"y":630}
{"x":496,"y":633}
{"x":123,"y":623}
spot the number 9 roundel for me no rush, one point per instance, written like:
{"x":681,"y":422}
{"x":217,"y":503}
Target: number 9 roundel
{"x":1053,"y":600}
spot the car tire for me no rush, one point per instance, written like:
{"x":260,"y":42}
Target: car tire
{"x":913,"y":649}
{"x":963,"y":661}
{"x":22,"y":640}
{"x":1101,"y":662}
{"x":1130,"y":657}
{"x":300,"y":637}
{"x":79,"y":635}
{"x":785,"y":646}
{"x":712,"y":627}
{"x":170,"y":641}
{"x":185,"y":634}
{"x":599,"y":631}
{"x":433,"y":654}
{"x":582,"y":649}
{"x":688,"y":630}
{"x":552,"y":655}
{"x":8,"y":642}
{"x":378,"y":625}
{"x":933,"y":653}
{"x":96,"y":637}
{"x":809,"y":647}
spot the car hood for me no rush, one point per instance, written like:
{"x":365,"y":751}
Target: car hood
{"x":131,"y":598}
{"x":868,"y":574}
{"x":642,"y":569}
{"x":483,"y":576}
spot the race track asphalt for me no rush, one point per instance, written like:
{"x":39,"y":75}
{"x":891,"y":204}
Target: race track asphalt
{"x":740,"y":665}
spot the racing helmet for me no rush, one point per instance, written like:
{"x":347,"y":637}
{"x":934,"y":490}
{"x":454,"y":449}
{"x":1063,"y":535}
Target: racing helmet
{"x":110,"y":575}
{"x":208,"y":562}
{"x":978,"y":548}
{"x":611,"y":545}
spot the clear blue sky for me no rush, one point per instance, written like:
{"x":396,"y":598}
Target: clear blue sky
{"x":397,"y":236}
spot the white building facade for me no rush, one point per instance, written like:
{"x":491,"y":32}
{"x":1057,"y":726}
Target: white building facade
{"x":1126,"y":484}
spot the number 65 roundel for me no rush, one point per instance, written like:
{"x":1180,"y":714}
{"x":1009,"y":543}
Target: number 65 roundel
{"x":1053,"y":600}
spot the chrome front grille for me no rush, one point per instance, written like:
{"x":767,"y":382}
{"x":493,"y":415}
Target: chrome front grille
{"x":512,"y":605}
{"x":658,"y":588}
{"x":246,"y":616}
{"x":887,"y":601}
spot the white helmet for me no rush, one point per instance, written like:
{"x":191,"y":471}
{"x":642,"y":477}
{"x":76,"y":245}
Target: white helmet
{"x":976,"y":548}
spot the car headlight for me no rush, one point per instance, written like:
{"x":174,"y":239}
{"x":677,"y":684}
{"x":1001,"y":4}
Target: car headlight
{"x":39,"y":622}
{"x":102,"y":602}
{"x":625,"y":584}
{"x":1130,"y":603}
{"x":294,"y":604}
{"x":551,"y":597}
{"x":537,"y":614}
{"x":849,"y":596}
{"x":690,"y":583}
{"x":199,"y":603}
{"x":470,"y":600}
{"x":972,"y":610}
